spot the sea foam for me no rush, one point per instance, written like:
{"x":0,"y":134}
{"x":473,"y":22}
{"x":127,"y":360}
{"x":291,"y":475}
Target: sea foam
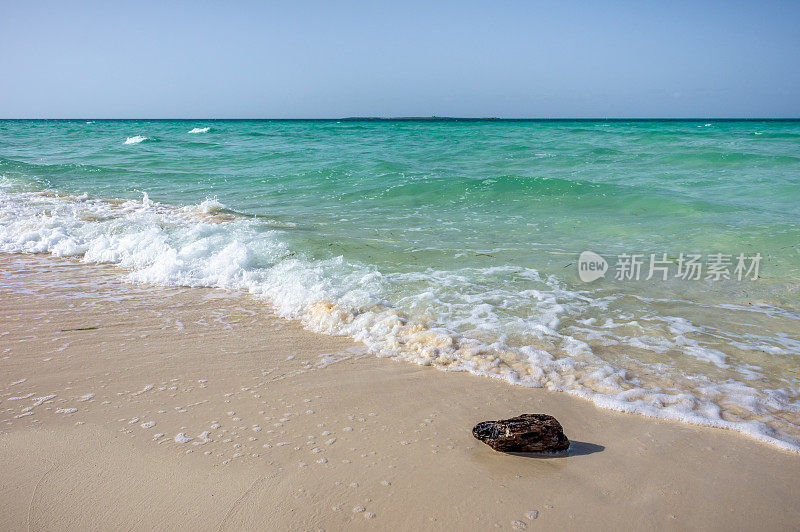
{"x":200,"y":130}
{"x":135,"y":140}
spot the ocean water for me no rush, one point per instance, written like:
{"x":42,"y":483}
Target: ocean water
{"x":456,"y":244}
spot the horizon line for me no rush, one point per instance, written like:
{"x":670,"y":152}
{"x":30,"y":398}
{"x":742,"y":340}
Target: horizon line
{"x":440,"y":118}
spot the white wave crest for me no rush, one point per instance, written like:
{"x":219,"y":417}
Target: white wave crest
{"x":200,"y":130}
{"x":207,"y":206}
{"x":211,"y":205}
{"x":135,"y":140}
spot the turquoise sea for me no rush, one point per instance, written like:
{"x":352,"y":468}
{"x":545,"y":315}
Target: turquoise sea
{"x":456,"y":243}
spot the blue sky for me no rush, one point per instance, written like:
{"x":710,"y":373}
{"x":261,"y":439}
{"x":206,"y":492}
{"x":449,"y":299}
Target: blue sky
{"x":335,"y":59}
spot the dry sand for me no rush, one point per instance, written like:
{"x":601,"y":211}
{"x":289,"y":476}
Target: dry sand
{"x":101,"y":382}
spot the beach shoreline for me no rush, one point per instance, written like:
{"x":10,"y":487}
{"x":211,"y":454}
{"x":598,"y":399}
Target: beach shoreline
{"x":462,"y":260}
{"x":266,"y":424}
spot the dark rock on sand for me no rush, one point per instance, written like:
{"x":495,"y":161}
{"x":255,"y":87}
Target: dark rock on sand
{"x":528,"y":433}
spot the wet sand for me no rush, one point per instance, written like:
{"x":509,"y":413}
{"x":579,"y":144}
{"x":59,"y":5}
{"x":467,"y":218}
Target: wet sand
{"x":126,"y":406}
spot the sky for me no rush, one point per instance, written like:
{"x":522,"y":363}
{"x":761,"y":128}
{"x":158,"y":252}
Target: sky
{"x":333,"y":59}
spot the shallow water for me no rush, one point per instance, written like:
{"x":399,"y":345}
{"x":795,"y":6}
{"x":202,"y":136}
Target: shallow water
{"x":456,"y":243}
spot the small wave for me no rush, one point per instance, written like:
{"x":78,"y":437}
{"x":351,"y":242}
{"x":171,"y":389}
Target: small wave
{"x":208,"y":206}
{"x":135,"y":140}
{"x":200,"y":130}
{"x":211,"y":205}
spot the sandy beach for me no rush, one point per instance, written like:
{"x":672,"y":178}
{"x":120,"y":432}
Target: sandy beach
{"x":132,"y":406}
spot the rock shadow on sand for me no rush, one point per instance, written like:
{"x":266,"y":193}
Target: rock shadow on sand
{"x":576,"y":448}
